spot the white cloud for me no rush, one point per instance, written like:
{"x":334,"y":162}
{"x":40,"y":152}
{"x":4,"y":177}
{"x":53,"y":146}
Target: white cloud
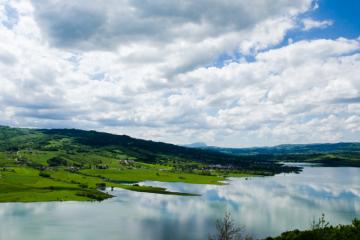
{"x":104,"y":25}
{"x":156,"y":79}
{"x":310,"y":24}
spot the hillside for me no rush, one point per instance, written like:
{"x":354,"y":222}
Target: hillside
{"x":292,"y":149}
{"x":73,"y":141}
{"x":326,"y":154}
{"x":70,"y":164}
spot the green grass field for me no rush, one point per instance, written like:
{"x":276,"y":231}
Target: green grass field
{"x":138,"y":175}
{"x":23,"y":184}
{"x":68,"y":164}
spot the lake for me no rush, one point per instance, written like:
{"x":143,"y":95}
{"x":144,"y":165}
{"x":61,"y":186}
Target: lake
{"x":264,"y":205}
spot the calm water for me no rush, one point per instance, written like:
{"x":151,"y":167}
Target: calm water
{"x":265,"y":205}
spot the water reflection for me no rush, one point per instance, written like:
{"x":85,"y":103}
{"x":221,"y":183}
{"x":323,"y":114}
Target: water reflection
{"x":266,"y":205}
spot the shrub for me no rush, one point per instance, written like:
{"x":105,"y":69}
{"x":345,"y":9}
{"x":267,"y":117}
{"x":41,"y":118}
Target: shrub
{"x":57,"y":161}
{"x":99,"y":196}
{"x":44,"y":174}
{"x":101,"y":186}
{"x":83,"y":185}
{"x":226,"y":229}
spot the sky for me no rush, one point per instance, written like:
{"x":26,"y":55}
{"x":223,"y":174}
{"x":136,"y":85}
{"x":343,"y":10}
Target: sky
{"x":230,"y":73}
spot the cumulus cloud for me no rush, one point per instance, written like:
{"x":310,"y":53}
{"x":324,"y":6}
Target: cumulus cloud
{"x":147,"y":68}
{"x":96,"y":24}
{"x":311,"y":24}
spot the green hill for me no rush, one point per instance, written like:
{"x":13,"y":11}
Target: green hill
{"x":70,"y":164}
{"x":326,"y":154}
{"x":73,"y":142}
{"x":292,"y":149}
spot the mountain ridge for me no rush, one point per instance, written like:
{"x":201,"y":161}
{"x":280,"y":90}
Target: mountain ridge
{"x":291,"y":148}
{"x":74,"y":141}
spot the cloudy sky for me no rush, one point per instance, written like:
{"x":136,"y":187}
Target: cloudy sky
{"x":225,"y":72}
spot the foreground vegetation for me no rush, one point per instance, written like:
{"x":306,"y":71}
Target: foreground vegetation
{"x":322,"y":230}
{"x":62,"y":165}
{"x":227,"y":229}
{"x":340,"y":232}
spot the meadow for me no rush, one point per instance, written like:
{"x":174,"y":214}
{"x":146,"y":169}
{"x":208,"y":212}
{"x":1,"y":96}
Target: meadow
{"x":69,"y":164}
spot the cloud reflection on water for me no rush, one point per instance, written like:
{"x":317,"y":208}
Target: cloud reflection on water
{"x":266,"y":205}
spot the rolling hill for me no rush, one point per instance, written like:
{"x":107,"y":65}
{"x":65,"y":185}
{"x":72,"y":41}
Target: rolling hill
{"x":69,"y":143}
{"x":291,"y":149}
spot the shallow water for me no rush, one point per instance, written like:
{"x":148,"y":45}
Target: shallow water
{"x":264,"y":205}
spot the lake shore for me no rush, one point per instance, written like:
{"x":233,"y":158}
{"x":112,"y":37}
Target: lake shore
{"x":24,"y":184}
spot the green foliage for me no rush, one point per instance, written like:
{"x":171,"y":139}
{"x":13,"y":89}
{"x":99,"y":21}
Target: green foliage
{"x":95,"y":195}
{"x":44,"y":174}
{"x":57,"y":161}
{"x":322,"y":230}
{"x":83,"y":185}
{"x":101,"y":186}
{"x":320,"y":224}
{"x":226,"y":229}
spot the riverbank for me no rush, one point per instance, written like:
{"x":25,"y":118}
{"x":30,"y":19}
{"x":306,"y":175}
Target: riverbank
{"x":265,"y":206}
{"x":25,"y":184}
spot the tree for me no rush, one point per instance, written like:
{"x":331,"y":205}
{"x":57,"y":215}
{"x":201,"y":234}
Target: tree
{"x":228,"y":230}
{"x":57,"y":161}
{"x":321,"y":224}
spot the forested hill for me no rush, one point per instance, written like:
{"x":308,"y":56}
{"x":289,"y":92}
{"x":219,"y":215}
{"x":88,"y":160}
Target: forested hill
{"x":292,"y":149}
{"x":327,"y":154}
{"x":73,"y":141}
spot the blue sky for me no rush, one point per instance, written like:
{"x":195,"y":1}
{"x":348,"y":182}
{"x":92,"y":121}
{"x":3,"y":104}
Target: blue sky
{"x":345,"y":17}
{"x":345,"y":23}
{"x":228,"y":73}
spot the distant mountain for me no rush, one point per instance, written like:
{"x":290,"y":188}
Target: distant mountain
{"x":196,"y":145}
{"x":292,"y":149}
{"x":74,"y":142}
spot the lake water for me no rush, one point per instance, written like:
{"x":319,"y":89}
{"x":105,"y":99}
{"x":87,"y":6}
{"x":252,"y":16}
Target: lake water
{"x":264,"y":205}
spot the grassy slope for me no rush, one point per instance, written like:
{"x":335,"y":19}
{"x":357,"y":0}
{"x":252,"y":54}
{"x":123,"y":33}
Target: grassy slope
{"x":25,"y":153}
{"x":119,"y":146}
{"x":138,"y":175}
{"x":23,"y":183}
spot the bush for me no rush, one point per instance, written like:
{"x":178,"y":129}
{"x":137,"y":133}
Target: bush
{"x":226,"y":229}
{"x":44,"y":174}
{"x":57,"y":161}
{"x":321,"y":230}
{"x":99,"y":196}
{"x":101,"y":186}
{"x":83,"y":185}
